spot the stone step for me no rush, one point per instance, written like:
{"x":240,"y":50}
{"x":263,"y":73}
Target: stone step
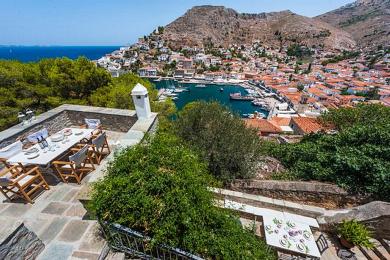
{"x":359,"y":254}
{"x":380,"y":250}
{"x":385,"y":243}
{"x":115,"y":256}
{"x":369,"y":253}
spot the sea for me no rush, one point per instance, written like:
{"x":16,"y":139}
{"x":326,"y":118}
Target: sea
{"x":212,"y":92}
{"x":36,"y":53}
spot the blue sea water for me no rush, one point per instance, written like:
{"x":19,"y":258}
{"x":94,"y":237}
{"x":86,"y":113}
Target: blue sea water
{"x":211,"y":93}
{"x":36,"y":53}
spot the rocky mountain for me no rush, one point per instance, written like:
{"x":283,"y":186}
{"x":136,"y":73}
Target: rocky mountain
{"x":224,"y":26}
{"x":368,"y":21}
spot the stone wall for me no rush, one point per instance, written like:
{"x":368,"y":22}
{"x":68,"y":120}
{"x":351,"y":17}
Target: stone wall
{"x":21,"y":244}
{"x":313,"y":193}
{"x":111,"y":122}
{"x":69,"y":118}
{"x":376,"y":215}
{"x":53,"y":125}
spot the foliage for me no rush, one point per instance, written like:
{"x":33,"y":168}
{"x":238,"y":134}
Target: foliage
{"x":362,"y":114}
{"x":118,"y":95}
{"x":344,"y":56}
{"x":356,"y":158}
{"x":52,"y":82}
{"x":356,"y":233}
{"x":160,"y":29}
{"x":299,"y":51}
{"x":222,"y":138}
{"x":160,"y":189}
{"x":46,"y":84}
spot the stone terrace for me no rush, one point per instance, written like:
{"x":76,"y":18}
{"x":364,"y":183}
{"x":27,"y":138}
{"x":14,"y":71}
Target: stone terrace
{"x":57,"y":217}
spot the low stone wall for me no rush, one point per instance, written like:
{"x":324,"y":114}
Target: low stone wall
{"x":376,"y":215}
{"x":313,"y":193}
{"x":119,"y":123}
{"x":70,"y":115}
{"x":21,"y":244}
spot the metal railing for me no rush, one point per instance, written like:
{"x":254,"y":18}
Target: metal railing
{"x":134,"y":243}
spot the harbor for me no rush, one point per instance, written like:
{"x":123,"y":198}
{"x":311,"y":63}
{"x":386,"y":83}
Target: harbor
{"x":243,"y":98}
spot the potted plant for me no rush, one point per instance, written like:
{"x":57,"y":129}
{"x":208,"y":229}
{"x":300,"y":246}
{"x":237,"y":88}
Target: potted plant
{"x":352,"y":233}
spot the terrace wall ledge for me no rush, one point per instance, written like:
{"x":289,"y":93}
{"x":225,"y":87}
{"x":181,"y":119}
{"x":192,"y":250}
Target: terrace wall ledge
{"x":15,"y":130}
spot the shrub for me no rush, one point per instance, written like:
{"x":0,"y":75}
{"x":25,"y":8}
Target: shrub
{"x":228,"y":146}
{"x":356,"y":158}
{"x":160,"y":189}
{"x":355,"y":233}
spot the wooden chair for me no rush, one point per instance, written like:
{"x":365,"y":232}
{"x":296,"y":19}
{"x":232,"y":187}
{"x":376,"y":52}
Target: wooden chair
{"x":322,"y":244}
{"x":97,"y":149}
{"x":99,"y":145}
{"x":75,"y":167}
{"x":20,"y":183}
{"x":11,"y":150}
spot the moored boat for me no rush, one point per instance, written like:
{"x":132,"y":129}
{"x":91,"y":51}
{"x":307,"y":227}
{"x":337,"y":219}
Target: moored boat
{"x":239,"y":96}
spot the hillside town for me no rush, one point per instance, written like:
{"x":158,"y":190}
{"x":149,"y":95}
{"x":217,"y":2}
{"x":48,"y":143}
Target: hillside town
{"x":220,"y":135}
{"x":289,"y":81}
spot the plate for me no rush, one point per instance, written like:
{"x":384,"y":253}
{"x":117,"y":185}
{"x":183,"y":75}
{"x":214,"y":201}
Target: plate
{"x":32,"y":156}
{"x":67,"y":131}
{"x":57,"y":138}
{"x":30,"y":151}
{"x":79,"y":132}
{"x":306,"y":235}
{"x":291,"y":224}
{"x":301,"y":246}
{"x":283,"y":242}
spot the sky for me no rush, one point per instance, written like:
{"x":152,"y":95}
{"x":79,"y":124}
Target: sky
{"x":118,"y":22}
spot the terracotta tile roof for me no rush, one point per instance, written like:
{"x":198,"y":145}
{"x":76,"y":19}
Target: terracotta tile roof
{"x":307,"y":124}
{"x":281,"y":121}
{"x":263,"y":125}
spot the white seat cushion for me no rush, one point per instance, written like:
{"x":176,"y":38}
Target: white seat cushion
{"x":25,"y":180}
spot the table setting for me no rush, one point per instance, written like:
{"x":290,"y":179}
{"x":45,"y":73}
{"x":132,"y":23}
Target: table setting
{"x":47,"y":149}
{"x":290,"y":235}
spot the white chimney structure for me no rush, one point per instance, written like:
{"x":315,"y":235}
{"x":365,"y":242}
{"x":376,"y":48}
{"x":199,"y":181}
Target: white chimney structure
{"x":141,"y":101}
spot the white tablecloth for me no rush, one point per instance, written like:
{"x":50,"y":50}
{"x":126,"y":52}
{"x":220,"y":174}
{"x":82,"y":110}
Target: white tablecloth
{"x":45,"y":158}
{"x":278,"y":228}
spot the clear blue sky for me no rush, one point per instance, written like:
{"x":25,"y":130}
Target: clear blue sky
{"x":117,"y":22}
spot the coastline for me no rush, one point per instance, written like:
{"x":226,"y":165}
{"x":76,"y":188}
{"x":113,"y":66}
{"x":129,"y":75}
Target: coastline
{"x":263,"y":93}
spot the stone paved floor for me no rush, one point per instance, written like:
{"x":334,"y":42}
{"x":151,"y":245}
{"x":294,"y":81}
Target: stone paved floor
{"x":58,"y":218}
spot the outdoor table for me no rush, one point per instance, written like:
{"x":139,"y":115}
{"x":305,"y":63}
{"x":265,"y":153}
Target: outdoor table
{"x":285,"y":233}
{"x":46,"y":156}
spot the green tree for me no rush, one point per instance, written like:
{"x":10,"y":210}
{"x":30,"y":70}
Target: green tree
{"x":161,"y":190}
{"x":118,"y":95}
{"x":160,"y":29}
{"x":46,"y":84}
{"x":229,"y":147}
{"x":356,"y":158}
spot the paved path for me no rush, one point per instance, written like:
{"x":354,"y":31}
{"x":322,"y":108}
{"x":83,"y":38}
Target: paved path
{"x":59,"y":219}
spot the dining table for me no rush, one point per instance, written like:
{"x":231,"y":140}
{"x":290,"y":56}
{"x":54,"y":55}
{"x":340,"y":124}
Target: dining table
{"x":56,"y":147}
{"x":283,"y":232}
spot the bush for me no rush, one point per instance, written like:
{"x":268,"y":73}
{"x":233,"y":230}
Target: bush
{"x":160,"y":189}
{"x":228,"y":146}
{"x":355,"y":233}
{"x":356,"y":158}
{"x":46,"y":84}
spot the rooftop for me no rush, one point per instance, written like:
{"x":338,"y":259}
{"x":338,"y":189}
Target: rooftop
{"x":58,"y":217}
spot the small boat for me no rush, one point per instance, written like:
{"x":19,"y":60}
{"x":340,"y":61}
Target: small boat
{"x":221,"y":89}
{"x":238,"y":96}
{"x":200,"y":86}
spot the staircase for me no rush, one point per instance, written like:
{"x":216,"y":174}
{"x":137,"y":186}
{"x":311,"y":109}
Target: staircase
{"x":379,"y":252}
